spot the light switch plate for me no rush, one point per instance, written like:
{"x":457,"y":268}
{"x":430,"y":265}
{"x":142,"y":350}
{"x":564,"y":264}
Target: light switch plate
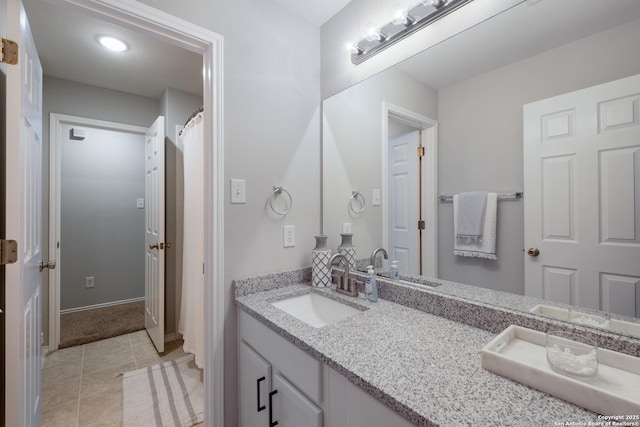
{"x":346,"y":227}
{"x":375,"y":198}
{"x":140,"y":203}
{"x":289,"y":236}
{"x":238,"y":191}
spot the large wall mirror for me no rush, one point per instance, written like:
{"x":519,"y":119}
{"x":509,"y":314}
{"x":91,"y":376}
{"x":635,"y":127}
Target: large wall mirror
{"x":464,"y":100}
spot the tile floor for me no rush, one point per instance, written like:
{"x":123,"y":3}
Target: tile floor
{"x":82,"y":386}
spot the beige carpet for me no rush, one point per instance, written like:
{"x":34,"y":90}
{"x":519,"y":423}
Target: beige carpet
{"x":87,"y":326}
{"x":166,"y":395}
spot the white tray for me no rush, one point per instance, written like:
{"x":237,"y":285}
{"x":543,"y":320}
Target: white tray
{"x":521,"y":355}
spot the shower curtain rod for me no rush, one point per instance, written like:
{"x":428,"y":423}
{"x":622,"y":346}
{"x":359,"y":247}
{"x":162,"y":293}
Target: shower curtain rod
{"x":195,"y":113}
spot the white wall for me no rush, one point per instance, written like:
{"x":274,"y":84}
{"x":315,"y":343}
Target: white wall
{"x":272,"y":137}
{"x":351,"y":23}
{"x":352,"y":145}
{"x":102,"y":231}
{"x":480,"y":126}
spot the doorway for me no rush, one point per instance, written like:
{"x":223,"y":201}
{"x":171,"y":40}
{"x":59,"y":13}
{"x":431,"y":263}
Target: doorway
{"x":97,"y":209}
{"x":409,"y":173}
{"x":170,"y":29}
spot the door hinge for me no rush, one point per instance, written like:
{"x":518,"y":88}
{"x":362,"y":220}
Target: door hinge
{"x":8,"y":252}
{"x":421,"y":225}
{"x":9,"y":51}
{"x":420,"y":152}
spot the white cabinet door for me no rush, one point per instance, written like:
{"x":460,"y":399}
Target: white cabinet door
{"x":349,"y":406}
{"x":290,"y":408}
{"x":255,"y":384}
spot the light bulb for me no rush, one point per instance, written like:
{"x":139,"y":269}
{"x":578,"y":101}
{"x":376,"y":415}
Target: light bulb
{"x":400,"y":17}
{"x":112,"y":43}
{"x":372,"y":34}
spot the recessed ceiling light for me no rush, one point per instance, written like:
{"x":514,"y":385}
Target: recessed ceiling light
{"x":112,"y":43}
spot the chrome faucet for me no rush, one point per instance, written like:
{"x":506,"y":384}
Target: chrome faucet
{"x":344,"y":284}
{"x":375,"y":253}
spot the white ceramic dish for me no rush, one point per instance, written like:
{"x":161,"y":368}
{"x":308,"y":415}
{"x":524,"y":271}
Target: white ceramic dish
{"x":520,"y":354}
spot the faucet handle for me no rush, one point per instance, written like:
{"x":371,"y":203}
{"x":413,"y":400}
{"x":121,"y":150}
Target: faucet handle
{"x":355,"y":284}
{"x":337,"y":279}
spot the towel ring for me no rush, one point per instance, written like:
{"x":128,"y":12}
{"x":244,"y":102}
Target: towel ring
{"x":354,"y":196}
{"x":277,"y":191}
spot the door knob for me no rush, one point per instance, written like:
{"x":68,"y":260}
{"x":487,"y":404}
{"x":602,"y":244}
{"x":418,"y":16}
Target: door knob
{"x":533,"y":252}
{"x":160,"y":246}
{"x":51,"y":265}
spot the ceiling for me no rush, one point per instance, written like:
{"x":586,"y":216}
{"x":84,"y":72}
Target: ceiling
{"x":315,"y":11}
{"x":525,"y":30}
{"x":66,"y":42}
{"x":68,"y":50}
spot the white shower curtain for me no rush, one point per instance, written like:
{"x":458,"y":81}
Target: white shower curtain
{"x":191,"y":324}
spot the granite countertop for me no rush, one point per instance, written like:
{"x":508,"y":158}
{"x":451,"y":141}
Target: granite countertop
{"x":425,"y":367}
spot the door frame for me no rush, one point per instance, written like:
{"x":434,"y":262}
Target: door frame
{"x":56,"y":122}
{"x":429,"y":130}
{"x":181,"y":33}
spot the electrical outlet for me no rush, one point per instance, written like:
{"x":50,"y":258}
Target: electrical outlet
{"x":289,"y":236}
{"x":346,"y":227}
{"x":89,"y":282}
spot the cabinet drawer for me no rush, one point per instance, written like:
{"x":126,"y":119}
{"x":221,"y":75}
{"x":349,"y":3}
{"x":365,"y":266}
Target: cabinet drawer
{"x":297,"y":366}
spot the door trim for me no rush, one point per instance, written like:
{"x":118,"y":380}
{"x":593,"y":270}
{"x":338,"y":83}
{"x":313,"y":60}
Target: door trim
{"x":429,"y":128}
{"x":56,"y":122}
{"x":189,"y":36}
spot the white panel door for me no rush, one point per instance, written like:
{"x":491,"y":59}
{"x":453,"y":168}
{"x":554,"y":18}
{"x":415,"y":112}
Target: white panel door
{"x":24,"y":224}
{"x":404,"y":199}
{"x":154,"y":233}
{"x":582,"y":204}
{"x":291,"y":408}
{"x":255,"y":384}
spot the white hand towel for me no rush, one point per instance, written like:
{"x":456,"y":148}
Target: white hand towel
{"x":487,"y":247}
{"x":470,"y":220}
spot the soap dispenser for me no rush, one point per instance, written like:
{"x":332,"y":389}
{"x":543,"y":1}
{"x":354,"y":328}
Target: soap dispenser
{"x":394,"y":274}
{"x":370,"y":287}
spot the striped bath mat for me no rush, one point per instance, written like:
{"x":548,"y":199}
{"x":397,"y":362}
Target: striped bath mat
{"x":165,"y":395}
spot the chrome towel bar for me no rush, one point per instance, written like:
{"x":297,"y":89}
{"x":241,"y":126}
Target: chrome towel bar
{"x":502,"y":196}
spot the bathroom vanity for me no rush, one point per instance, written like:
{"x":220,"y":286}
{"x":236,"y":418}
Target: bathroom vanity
{"x":386,"y":365}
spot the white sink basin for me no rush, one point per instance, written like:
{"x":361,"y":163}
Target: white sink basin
{"x":316,"y":310}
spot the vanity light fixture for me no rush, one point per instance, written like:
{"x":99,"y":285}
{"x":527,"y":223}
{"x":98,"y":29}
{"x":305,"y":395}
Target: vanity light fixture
{"x":112,"y":43}
{"x":403,"y":24}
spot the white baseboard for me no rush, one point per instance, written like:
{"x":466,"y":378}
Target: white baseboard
{"x":106,"y":304}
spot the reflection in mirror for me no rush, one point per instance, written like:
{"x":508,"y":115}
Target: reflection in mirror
{"x":473,"y":89}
